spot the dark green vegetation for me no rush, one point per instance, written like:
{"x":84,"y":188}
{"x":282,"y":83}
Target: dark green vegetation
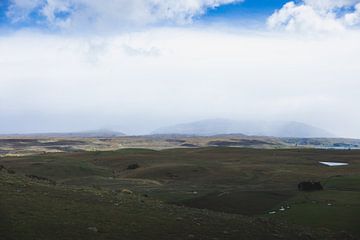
{"x":199,"y":193}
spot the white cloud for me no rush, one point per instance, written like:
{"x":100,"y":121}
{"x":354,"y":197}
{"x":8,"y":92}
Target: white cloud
{"x":157,"y":77}
{"x":303,"y":17}
{"x":353,"y":19}
{"x":51,"y":8}
{"x":112,"y":13}
{"x":20,"y":9}
{"x":327,"y":5}
{"x":316,"y":16}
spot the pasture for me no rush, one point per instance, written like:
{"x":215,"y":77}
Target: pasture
{"x":237,"y":184}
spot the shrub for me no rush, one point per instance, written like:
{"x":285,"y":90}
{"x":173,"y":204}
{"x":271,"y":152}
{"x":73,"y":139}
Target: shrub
{"x":133,"y":166}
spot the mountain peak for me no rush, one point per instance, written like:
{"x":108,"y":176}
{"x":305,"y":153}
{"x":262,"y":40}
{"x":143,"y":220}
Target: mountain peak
{"x":209,"y":127}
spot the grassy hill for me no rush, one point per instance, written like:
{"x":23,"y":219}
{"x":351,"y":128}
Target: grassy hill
{"x":201,"y":193}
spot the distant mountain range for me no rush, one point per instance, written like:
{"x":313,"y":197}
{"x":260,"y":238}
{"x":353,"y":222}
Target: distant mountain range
{"x":212,"y":127}
{"x":101,"y":133}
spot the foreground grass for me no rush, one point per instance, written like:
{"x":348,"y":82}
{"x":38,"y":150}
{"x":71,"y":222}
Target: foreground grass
{"x":331,"y":209}
{"x":87,"y":202}
{"x":38,"y":211}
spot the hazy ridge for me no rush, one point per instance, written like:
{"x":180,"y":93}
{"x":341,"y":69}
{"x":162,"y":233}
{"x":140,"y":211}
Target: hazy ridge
{"x":212,"y":127}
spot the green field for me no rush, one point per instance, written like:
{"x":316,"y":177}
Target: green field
{"x":187,"y":193}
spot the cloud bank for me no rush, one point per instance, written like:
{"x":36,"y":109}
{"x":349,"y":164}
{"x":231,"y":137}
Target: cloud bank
{"x":144,"y":80}
{"x":317,"y":16}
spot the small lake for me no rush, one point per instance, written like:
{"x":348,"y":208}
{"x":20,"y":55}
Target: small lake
{"x":334,"y":164}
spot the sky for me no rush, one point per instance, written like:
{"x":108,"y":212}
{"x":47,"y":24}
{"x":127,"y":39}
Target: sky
{"x":134,"y":66}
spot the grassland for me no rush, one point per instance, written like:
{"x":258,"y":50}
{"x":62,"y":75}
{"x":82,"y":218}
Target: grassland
{"x":25,"y":145}
{"x":186,"y":193}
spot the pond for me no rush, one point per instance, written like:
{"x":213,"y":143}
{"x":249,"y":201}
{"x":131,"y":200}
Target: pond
{"x":334,"y":164}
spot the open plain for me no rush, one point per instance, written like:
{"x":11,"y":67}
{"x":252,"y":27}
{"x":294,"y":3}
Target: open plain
{"x":179,"y":193}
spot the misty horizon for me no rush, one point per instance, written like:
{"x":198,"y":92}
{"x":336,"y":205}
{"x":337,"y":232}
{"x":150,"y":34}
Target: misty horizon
{"x":248,"y":127}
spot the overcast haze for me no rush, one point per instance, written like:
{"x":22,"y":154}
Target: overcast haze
{"x":135,"y":66}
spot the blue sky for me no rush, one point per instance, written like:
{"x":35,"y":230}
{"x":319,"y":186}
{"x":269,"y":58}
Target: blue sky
{"x":251,"y":14}
{"x":255,"y":11}
{"x":121,"y":14}
{"x":3,"y":7}
{"x":248,"y":9}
